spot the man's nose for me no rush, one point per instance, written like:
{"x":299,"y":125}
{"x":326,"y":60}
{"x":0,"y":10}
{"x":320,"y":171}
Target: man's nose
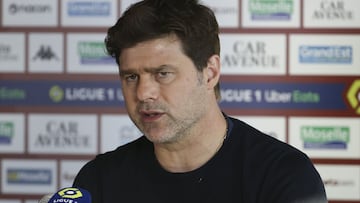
{"x":147,"y":89}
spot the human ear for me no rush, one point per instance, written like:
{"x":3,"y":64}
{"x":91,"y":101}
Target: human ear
{"x":213,"y":71}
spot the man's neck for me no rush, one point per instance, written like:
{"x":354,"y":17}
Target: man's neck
{"x":195,"y":149}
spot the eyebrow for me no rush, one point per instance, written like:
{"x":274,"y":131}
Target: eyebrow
{"x":147,"y":70}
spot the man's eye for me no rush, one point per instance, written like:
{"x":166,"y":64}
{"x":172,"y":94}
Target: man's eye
{"x":131,"y":77}
{"x":164,"y":74}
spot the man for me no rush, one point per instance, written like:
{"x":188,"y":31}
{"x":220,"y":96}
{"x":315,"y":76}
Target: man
{"x":168,"y":56}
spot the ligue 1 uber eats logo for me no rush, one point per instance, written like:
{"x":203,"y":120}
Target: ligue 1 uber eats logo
{"x":72,"y":193}
{"x":56,"y":94}
{"x":67,"y":195}
{"x":353,"y":96}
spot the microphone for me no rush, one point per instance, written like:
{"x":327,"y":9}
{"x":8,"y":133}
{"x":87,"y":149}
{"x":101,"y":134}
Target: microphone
{"x":46,"y":198}
{"x":68,"y":195}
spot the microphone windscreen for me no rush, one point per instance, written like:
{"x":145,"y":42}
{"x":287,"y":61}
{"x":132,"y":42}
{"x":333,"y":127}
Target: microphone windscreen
{"x":45,"y":198}
{"x":70,"y":194}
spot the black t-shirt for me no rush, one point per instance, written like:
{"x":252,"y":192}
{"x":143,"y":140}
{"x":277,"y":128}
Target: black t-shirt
{"x":250,"y":167}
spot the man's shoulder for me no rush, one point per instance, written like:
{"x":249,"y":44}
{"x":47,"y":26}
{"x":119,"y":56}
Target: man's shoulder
{"x":276,"y":167}
{"x":134,"y":147}
{"x":257,"y":143}
{"x":124,"y":155}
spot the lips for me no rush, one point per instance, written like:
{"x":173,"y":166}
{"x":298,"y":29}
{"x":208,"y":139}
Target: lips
{"x":150,"y":116}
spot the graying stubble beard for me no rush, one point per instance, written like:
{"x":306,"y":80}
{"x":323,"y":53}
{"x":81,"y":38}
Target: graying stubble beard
{"x":181,"y":127}
{"x":184,"y":128}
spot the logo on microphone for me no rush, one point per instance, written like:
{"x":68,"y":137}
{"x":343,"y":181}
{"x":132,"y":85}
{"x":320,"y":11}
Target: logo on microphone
{"x":71,"y":193}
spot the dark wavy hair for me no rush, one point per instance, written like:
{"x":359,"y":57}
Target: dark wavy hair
{"x":194,"y":24}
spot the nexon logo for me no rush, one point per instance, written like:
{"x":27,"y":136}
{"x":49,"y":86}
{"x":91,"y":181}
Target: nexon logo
{"x":89,"y":8}
{"x":325,"y":137}
{"x":326,"y":54}
{"x":92,"y":52}
{"x":29,"y":176}
{"x":28,"y":8}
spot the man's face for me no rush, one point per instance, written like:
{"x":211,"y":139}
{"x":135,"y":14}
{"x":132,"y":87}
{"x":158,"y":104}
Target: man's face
{"x":164,"y":93}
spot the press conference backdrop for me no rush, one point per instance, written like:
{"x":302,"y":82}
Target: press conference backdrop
{"x":290,"y":67}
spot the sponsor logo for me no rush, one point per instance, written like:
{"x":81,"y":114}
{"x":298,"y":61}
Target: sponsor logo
{"x":337,"y":182}
{"x":326,"y":54}
{"x":69,"y":170}
{"x":325,"y":137}
{"x":12,"y":94}
{"x":271,"y":9}
{"x":85,"y":94}
{"x":93,"y":53}
{"x":353,"y":96}
{"x":28,"y":8}
{"x":29,"y":176}
{"x":224,"y":10}
{"x":332,"y":10}
{"x":45,"y":53}
{"x":268,"y":96}
{"x":69,"y":176}
{"x":250,"y":54}
{"x":6,"y":53}
{"x":89,"y":8}
{"x":125,"y":130}
{"x":128,"y":133}
{"x":71,"y":193}
{"x":56,"y":94}
{"x":95,"y":94}
{"x":4,"y":49}
{"x":7,"y":131}
{"x":62,"y":134}
{"x":105,"y":93}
